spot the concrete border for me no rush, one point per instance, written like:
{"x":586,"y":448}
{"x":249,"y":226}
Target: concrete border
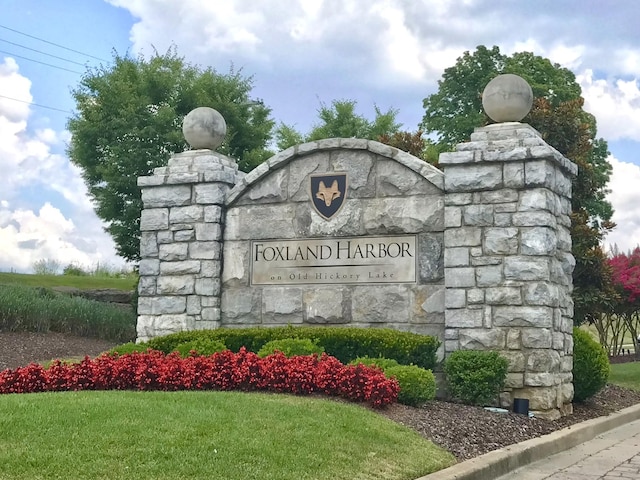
{"x":500,"y":462}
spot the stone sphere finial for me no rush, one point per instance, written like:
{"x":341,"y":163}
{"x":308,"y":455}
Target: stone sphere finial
{"x":507,"y":98}
{"x":204,"y":127}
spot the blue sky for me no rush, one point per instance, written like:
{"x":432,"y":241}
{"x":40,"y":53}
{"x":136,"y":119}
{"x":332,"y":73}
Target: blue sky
{"x":390,"y":53}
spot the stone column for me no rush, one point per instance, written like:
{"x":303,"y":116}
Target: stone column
{"x":181,"y":241}
{"x":508,"y":261}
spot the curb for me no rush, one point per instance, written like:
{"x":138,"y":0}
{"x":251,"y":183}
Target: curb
{"x":500,"y":462}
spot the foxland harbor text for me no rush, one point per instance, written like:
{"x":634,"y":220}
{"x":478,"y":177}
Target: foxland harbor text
{"x":335,"y":261}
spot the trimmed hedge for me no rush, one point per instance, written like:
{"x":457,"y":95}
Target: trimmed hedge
{"x":291,"y":347}
{"x":344,"y":343}
{"x":475,"y":377}
{"x":417,"y":385}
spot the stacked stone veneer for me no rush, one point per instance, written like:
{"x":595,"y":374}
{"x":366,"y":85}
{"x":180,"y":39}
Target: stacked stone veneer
{"x":181,"y":243}
{"x":508,"y":262}
{"x":389,"y":193}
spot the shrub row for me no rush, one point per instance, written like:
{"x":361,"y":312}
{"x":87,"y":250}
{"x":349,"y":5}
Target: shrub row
{"x":43,"y":310}
{"x":153,"y":370}
{"x":344,"y":343}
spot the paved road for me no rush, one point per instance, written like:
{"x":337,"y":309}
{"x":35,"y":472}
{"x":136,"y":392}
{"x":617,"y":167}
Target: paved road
{"x":614,"y":455}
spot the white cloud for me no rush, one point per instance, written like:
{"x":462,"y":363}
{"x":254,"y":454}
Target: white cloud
{"x":625,"y":198}
{"x":615,"y":103}
{"x":31,"y":172}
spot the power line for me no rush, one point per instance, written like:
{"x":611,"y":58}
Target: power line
{"x":42,"y":63}
{"x":36,"y":104}
{"x":51,"y":43}
{"x":43,"y":53}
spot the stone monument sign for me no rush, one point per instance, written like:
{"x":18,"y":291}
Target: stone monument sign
{"x":354,"y":232}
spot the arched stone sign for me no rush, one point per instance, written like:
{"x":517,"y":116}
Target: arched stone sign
{"x":376,"y":262}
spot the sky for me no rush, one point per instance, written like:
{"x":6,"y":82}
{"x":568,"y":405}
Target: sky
{"x":301,"y":54}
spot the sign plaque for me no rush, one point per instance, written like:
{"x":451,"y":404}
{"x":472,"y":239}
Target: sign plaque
{"x":355,"y":260}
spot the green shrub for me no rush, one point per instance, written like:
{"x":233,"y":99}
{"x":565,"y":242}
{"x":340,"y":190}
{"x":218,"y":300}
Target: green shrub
{"x":475,"y":377}
{"x":291,"y":347}
{"x":417,"y":385}
{"x":129,"y":347}
{"x":591,"y":366}
{"x":344,"y":343}
{"x":381,"y":363}
{"x":201,"y":346}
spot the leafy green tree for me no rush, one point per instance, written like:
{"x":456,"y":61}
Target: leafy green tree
{"x":128,"y":122}
{"x":456,"y":109}
{"x":340,"y":120}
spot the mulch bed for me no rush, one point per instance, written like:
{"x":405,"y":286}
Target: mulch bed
{"x":463,"y":430}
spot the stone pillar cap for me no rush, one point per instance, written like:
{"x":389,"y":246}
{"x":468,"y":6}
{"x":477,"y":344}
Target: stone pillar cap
{"x":507,"y":98}
{"x":204,"y":127}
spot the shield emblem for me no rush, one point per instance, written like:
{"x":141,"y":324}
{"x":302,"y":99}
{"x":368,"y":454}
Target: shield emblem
{"x":328,"y":193}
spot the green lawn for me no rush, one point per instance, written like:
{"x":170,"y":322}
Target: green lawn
{"x":192,"y":435}
{"x":626,"y":375}
{"x":83,"y":282}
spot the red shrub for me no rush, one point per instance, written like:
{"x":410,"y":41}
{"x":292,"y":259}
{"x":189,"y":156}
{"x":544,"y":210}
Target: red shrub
{"x":226,"y":370}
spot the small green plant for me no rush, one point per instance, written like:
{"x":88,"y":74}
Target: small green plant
{"x":475,"y":377}
{"x":202,"y":346}
{"x":381,"y":363}
{"x":291,"y":347}
{"x":129,"y":347}
{"x":417,"y":385}
{"x":591,"y":366}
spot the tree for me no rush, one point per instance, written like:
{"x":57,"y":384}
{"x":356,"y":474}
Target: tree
{"x":128,"y":122}
{"x":456,"y":109}
{"x":340,"y":120}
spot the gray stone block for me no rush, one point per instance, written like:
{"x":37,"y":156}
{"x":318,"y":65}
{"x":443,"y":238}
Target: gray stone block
{"x":478,"y":215}
{"x":503,"y":296}
{"x":455,"y":298}
{"x":154,"y":219}
{"x":482,"y":339}
{"x":452,"y":217}
{"x":463,"y":318}
{"x":456,"y":257}
{"x":393,"y":215}
{"x":176,"y":285}
{"x":538,"y":241}
{"x":173,"y":251}
{"x":180,"y":268}
{"x":526,"y":268}
{"x":148,"y":244}
{"x":501,"y":241}
{"x":430,"y":258}
{"x":463,"y":237}
{"x":489,"y":276}
{"x":536,"y":338}
{"x":166,"y":196}
{"x":161,"y":305}
{"x":472,"y":178}
{"x":273,"y":188}
{"x":459,"y":277}
{"x":186,"y":215}
{"x":281,"y":305}
{"x":326,"y":305}
{"x":513,"y":316}
{"x":380,"y":304}
{"x":149,"y":266}
{"x":204,"y":250}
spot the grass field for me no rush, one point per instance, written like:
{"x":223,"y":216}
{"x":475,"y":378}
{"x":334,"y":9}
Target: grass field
{"x":82,"y":282}
{"x":230,"y":435}
{"x":626,"y":375}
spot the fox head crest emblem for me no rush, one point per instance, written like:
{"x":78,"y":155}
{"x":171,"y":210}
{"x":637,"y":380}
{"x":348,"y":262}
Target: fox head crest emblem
{"x":328,"y":193}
